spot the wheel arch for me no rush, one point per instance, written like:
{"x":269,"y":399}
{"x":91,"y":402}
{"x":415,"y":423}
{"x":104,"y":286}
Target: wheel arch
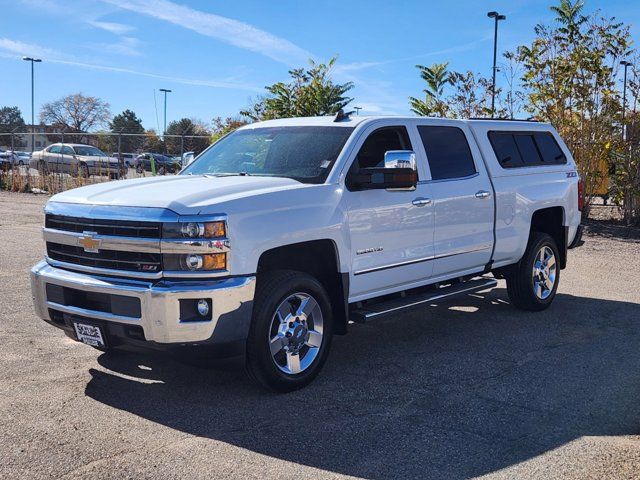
{"x":319,"y":258}
{"x":551,"y":220}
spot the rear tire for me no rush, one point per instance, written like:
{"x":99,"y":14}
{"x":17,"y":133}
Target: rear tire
{"x":532,"y":283}
{"x":291,"y":330}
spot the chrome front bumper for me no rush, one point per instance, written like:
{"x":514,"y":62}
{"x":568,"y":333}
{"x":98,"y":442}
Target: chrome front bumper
{"x":231,"y":303}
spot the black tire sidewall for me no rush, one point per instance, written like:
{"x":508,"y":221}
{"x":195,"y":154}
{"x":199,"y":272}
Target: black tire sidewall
{"x":272,"y":290}
{"x":539,"y":241}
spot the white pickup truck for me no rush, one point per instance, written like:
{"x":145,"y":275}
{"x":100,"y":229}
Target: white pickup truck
{"x":281,"y":233}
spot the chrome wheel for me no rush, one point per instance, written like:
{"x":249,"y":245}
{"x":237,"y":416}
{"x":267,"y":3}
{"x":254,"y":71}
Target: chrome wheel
{"x":544,"y":273}
{"x":295,"y":334}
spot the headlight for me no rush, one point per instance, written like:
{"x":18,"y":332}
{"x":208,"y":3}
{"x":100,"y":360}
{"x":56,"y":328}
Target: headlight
{"x":194,"y":230}
{"x":195,"y":262}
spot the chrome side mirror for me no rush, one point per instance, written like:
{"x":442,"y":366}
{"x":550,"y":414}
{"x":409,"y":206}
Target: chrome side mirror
{"x":400,"y":159}
{"x":398,"y":173}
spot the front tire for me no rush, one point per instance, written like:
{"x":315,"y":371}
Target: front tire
{"x":291,"y":330}
{"x":533,"y":282}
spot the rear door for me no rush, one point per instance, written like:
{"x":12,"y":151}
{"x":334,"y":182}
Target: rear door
{"x":462,"y":196}
{"x":69,"y":163}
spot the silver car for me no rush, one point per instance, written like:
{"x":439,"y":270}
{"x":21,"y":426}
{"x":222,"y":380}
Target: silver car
{"x":74,"y":159}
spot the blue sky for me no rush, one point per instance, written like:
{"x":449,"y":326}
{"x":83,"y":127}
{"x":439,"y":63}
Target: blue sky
{"x":216,"y":55}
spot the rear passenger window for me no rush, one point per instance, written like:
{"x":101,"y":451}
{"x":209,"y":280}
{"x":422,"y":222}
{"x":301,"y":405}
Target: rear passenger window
{"x":505,"y":148}
{"x":448,"y":152}
{"x":526,"y":149}
{"x":549,"y":148}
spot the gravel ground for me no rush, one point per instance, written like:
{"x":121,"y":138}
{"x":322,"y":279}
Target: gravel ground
{"x":464,"y":389}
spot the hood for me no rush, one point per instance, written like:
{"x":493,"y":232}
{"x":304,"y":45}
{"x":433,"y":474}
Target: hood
{"x":184,"y":194}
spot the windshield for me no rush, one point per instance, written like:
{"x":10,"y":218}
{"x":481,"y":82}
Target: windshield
{"x":89,"y":151}
{"x":302,"y":153}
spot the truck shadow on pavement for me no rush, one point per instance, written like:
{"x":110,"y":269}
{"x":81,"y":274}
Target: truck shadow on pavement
{"x":452,"y":391}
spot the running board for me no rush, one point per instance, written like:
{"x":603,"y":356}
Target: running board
{"x":396,"y":305}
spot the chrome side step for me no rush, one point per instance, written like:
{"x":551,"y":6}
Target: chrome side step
{"x":396,"y":305}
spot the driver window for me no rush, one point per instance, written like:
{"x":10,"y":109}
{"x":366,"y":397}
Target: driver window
{"x":372,"y":152}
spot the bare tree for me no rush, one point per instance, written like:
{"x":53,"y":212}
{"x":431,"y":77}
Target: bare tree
{"x":76,"y":112}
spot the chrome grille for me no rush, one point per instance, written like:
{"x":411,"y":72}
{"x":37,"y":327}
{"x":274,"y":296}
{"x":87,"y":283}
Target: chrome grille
{"x":124,"y":228}
{"x":138,"y":248}
{"x":109,"y":259}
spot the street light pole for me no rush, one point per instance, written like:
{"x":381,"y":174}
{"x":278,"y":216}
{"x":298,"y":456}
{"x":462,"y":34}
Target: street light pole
{"x":32,"y":60}
{"x":497,"y":17}
{"x":164,"y":131}
{"x":626,"y":65}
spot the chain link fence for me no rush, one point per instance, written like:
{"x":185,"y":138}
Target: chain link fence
{"x":53,"y":160}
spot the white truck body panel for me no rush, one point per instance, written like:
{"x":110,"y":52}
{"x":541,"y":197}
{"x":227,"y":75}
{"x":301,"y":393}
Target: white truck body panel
{"x":384,"y":241}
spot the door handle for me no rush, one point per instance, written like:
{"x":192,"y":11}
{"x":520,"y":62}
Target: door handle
{"x":483,"y":194}
{"x":421,"y":202}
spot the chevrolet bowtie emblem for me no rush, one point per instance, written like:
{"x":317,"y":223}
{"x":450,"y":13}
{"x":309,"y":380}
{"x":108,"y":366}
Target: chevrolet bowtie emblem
{"x":89,"y":243}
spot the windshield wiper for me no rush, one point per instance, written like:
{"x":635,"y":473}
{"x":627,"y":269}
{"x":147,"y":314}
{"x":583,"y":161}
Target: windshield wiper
{"x":238,"y":174}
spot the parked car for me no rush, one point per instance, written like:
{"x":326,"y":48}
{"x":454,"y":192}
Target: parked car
{"x":163,"y":163}
{"x":187,"y":158}
{"x":74,"y":159}
{"x":282,"y":232}
{"x":8,"y":160}
{"x":21,"y":158}
{"x":128,"y":159}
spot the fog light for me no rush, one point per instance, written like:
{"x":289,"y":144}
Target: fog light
{"x":193,"y":262}
{"x":203,"y":307}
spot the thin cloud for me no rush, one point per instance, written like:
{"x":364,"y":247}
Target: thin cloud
{"x":21,"y":48}
{"x":358,"y":66}
{"x":221,"y":28}
{"x":13,"y":48}
{"x":125,"y":46}
{"x":112,"y":27}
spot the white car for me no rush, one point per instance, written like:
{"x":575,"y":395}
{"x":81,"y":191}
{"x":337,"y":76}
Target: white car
{"x":75,"y":159}
{"x":8,"y":160}
{"x":283,"y":231}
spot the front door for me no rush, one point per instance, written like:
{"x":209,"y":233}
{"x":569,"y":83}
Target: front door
{"x":391,"y":230}
{"x":69,"y":164}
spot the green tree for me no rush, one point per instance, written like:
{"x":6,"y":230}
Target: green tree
{"x":194,"y":133}
{"x":569,"y":80}
{"x":222,"y":127}
{"x":437,"y":78}
{"x":10,"y":120}
{"x":152,"y":142}
{"x":310,"y":92}
{"x":126,"y":122}
{"x":453,"y":94}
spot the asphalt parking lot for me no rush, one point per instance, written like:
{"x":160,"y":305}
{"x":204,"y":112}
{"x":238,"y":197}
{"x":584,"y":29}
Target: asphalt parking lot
{"x":468,"y":388}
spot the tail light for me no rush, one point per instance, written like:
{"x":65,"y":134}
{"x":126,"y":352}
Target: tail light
{"x":580,"y":194}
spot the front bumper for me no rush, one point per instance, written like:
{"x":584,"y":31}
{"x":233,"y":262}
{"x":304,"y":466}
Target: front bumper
{"x":158,"y":316}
